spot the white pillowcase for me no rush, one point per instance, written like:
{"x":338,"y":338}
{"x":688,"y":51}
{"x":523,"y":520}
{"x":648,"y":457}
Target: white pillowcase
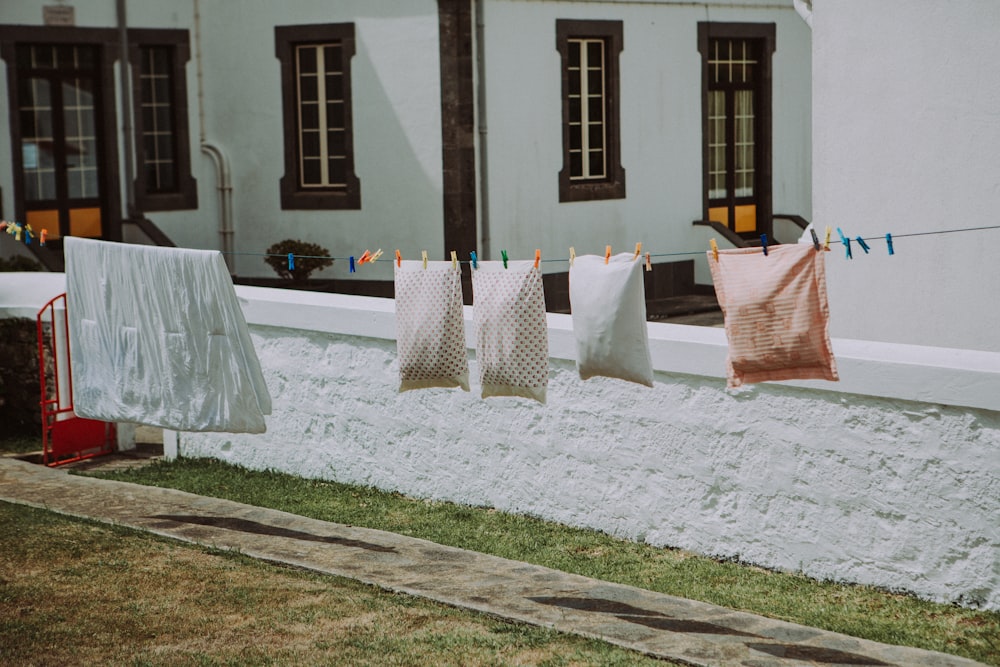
{"x":608,"y":303}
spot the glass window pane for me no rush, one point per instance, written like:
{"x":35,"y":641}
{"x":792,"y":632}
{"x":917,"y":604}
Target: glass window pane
{"x":308,"y":90}
{"x":575,"y":110}
{"x":306,"y":59}
{"x":310,"y":144}
{"x":595,"y":53}
{"x":574,"y":47}
{"x":335,"y":116}
{"x":334,"y":86}
{"x":595,"y":109}
{"x":338,"y":171}
{"x":311,"y":174}
{"x":574,"y":82}
{"x":336,"y":143}
{"x":332,"y":58}
{"x":596,"y":135}
{"x":309,"y":116}
{"x":575,"y":137}
{"x":575,"y":165}
{"x":595,"y":81}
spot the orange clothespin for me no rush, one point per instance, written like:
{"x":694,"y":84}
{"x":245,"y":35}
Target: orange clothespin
{"x":715,"y":249}
{"x":423,"y":256}
{"x":3,"y":225}
{"x":44,"y":235}
{"x":607,"y":254}
{"x":572,"y":255}
{"x":826,"y":240}
{"x":638,"y":251}
{"x":454,"y":259}
{"x":538,"y":256}
{"x":649,"y":264}
{"x":366,"y":256}
{"x":399,"y":258}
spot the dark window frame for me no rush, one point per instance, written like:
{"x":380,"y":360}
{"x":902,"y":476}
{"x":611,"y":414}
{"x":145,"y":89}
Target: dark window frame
{"x":612,"y":185}
{"x":294,"y":197}
{"x":763,"y":125}
{"x":185,"y":194}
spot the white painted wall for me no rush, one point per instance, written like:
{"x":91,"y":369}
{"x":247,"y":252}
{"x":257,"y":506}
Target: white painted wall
{"x":905,"y":139}
{"x":660,"y":69}
{"x":887,"y":478}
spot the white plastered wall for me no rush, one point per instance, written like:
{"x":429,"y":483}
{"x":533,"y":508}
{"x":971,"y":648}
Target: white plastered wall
{"x":905,"y":140}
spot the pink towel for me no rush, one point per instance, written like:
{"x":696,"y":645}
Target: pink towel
{"x":776,"y":313}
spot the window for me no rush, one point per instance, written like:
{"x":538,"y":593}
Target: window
{"x":590,"y":120}
{"x":736,"y":105}
{"x":159,"y":90}
{"x":316,"y":95}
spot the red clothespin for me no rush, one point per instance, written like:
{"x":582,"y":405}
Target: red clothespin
{"x":538,"y":256}
{"x":607,"y":254}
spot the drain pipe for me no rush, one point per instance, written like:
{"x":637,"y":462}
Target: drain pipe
{"x":222,"y":173}
{"x":123,"y":70}
{"x":484,"y":181}
{"x":805,"y":10}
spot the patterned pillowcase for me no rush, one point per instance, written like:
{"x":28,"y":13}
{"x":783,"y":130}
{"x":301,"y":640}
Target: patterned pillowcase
{"x":430,"y":326}
{"x":512,"y":344}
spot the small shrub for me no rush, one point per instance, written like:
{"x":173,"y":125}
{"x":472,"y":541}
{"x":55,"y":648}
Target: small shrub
{"x":309,"y":257}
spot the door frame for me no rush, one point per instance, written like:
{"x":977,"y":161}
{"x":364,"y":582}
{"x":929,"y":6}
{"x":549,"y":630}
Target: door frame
{"x":106,"y":39}
{"x":763,"y":123}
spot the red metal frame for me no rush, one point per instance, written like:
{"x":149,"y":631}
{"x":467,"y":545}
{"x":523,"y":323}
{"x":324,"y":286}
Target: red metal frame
{"x":65,"y":437}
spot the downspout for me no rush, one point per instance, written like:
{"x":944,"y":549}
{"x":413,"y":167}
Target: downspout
{"x":222,"y":174}
{"x":804,"y":8}
{"x":123,"y":70}
{"x":484,"y":181}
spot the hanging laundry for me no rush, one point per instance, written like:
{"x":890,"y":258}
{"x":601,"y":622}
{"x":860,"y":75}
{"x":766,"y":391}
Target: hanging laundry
{"x":157,"y":337}
{"x":430,"y":326}
{"x":776,"y":313}
{"x":511,"y":332}
{"x":608,"y":305}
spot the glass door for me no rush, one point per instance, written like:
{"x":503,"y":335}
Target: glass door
{"x":59,"y":103}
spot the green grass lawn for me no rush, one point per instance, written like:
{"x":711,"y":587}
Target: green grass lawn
{"x":861,"y":611}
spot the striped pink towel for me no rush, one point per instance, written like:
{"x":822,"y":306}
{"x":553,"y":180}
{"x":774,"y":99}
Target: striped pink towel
{"x":776,"y":313}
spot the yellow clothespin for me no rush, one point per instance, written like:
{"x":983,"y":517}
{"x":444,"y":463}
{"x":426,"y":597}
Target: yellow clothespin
{"x":454,"y":259}
{"x":638,"y":251}
{"x":715,"y":249}
{"x":607,"y":254}
{"x":538,"y":256}
{"x":376,"y":255}
{"x":572,"y":255}
{"x":423,"y":255}
{"x":826,"y":240}
{"x":649,"y":264}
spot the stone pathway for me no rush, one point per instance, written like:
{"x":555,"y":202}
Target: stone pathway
{"x":655,"y":624}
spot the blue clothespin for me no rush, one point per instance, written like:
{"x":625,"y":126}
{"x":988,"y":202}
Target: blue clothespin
{"x":864,"y":246}
{"x":763,"y":243}
{"x":352,"y":263}
{"x":475,"y":260}
{"x":847,"y":243}
{"x":291,"y":262}
{"x":888,"y":242}
{"x":503,"y":255}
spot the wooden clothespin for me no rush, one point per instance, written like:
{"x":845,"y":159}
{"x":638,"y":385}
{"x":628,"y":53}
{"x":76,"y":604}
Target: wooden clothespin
{"x":423,"y":256}
{"x":826,"y":240}
{"x":649,"y":263}
{"x":375,"y":255}
{"x":572,"y":255}
{"x":454,"y":259}
{"x":715,"y":249}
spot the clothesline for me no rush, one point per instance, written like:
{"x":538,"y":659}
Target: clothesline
{"x":888,"y":237}
{"x":18,"y":230}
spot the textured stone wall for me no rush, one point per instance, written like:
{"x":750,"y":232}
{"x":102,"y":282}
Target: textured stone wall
{"x":20,"y":413}
{"x":894,"y":493}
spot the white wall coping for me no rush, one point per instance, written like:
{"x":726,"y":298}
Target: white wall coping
{"x":967,"y":378}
